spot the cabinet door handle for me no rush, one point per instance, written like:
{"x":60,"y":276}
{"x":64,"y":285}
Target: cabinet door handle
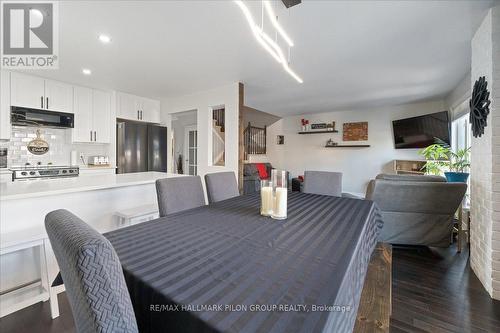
{"x":140,"y":113}
{"x":41,"y":101}
{"x":47,"y":106}
{"x":95,"y":136}
{"x":90,"y":135}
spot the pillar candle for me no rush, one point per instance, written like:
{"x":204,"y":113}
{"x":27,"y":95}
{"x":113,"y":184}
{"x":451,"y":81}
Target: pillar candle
{"x":266,"y":200}
{"x":280,"y":203}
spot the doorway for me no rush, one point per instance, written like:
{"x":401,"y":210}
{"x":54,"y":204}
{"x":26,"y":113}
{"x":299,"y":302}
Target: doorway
{"x":191,"y":150}
{"x":185,"y":142}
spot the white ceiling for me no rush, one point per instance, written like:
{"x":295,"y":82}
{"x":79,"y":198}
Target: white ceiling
{"x":350,"y":54}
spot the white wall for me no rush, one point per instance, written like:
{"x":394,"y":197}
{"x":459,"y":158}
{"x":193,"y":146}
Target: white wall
{"x":460,"y":93}
{"x":358,"y":165}
{"x":203,"y":102}
{"x":485,"y":160}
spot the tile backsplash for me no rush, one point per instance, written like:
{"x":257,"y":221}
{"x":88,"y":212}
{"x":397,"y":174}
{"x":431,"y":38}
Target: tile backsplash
{"x":60,"y":147}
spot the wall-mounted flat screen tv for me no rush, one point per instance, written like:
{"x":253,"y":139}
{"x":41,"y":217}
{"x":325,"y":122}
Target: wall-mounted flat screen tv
{"x":422,"y":131}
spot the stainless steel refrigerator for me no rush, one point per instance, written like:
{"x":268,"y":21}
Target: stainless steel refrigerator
{"x":140,"y":147}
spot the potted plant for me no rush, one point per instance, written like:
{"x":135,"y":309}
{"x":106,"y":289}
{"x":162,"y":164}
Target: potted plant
{"x":440,"y":157}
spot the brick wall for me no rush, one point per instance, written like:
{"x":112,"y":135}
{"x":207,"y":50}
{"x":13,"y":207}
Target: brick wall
{"x":485,"y":160}
{"x":495,"y":138}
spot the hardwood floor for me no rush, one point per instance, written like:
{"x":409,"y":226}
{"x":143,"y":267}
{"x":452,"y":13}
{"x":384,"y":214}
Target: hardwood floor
{"x":433,"y":291}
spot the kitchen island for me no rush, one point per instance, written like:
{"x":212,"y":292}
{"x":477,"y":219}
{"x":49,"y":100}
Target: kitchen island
{"x":93,"y":198}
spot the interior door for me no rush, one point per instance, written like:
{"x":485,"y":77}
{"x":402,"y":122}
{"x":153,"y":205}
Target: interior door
{"x":191,"y":150}
{"x":102,"y":116}
{"x":82,"y":132}
{"x":58,"y":96}
{"x":27,"y":91}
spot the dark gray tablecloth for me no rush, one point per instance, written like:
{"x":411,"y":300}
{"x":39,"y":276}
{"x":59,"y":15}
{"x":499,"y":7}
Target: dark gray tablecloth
{"x":226,"y":254}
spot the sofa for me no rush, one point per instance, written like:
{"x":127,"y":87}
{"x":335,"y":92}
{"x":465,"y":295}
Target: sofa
{"x":417,"y":210}
{"x":252,"y":178}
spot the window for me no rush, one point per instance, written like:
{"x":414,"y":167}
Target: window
{"x":461,"y":135}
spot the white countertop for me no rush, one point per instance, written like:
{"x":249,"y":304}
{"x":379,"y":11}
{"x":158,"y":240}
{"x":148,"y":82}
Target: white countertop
{"x":95,"y":167}
{"x":45,"y":187}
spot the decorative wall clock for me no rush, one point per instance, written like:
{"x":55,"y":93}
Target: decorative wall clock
{"x":479,"y":106}
{"x":38,"y":146}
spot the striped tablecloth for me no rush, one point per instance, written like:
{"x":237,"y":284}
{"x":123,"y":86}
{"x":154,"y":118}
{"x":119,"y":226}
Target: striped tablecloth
{"x":225,"y":268}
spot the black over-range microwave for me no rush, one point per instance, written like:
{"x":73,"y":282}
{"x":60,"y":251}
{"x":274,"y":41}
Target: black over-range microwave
{"x":20,"y":116}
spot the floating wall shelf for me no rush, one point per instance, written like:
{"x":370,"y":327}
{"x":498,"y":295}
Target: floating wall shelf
{"x":318,"y":132}
{"x":348,"y":146}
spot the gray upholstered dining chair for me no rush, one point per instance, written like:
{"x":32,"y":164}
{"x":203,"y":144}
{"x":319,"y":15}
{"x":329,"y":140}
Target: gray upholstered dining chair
{"x":179,"y":193}
{"x":92,"y":274}
{"x":323,"y":182}
{"x":221,"y":186}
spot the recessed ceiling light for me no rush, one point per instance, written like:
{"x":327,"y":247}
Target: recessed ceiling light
{"x":86,"y":71}
{"x":104,"y":39}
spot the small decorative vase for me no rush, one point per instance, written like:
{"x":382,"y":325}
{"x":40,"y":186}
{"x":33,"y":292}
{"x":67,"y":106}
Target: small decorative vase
{"x":303,"y":128}
{"x":266,"y":198}
{"x":280,"y":185}
{"x":456,"y":177}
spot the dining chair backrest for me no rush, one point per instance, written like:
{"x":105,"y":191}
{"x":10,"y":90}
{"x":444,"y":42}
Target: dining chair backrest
{"x":92,"y":275}
{"x":179,"y":193}
{"x":221,"y":186}
{"x":323,"y":182}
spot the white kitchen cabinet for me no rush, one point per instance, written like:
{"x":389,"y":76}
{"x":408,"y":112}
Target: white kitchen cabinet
{"x":39,"y":93}
{"x":128,"y":107}
{"x":138,"y":108}
{"x":82,"y":107}
{"x":101,"y":116}
{"x":58,"y":96}
{"x":150,"y":110}
{"x":4,"y":105}
{"x":92,"y":110}
{"x":27,"y":91}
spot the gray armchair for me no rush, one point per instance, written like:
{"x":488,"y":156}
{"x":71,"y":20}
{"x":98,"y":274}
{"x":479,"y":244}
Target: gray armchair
{"x":416,"y":211}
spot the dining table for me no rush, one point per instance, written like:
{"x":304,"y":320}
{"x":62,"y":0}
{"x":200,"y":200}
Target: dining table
{"x":223,"y":267}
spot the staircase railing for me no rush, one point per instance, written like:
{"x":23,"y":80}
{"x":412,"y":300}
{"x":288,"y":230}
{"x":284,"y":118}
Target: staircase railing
{"x":218,"y":146}
{"x":255,"y":140}
{"x":218,"y":116}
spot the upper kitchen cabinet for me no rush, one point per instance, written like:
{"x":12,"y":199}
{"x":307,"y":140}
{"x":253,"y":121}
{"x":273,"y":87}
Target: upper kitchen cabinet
{"x":101,"y":111}
{"x":82,"y":108}
{"x":150,"y":110}
{"x":38,"y":93}
{"x":92,"y":110}
{"x":58,"y":96}
{"x":27,"y":91}
{"x":137,"y":108}
{"x":4,"y":105}
{"x":127,"y":106}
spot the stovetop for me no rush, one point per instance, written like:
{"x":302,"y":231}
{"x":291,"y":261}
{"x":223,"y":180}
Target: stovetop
{"x":43,"y":171}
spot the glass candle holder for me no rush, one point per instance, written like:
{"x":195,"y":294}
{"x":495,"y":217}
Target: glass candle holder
{"x":280,"y":184}
{"x":266,"y":198}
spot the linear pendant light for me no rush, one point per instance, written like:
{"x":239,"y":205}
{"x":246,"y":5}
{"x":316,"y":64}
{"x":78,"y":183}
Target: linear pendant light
{"x":274,"y":22}
{"x":267,"y":43}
